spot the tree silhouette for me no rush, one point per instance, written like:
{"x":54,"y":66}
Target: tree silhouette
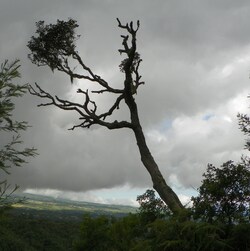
{"x":54,"y":46}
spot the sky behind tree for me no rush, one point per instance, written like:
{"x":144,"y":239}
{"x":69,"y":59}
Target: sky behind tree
{"x":196,"y":62}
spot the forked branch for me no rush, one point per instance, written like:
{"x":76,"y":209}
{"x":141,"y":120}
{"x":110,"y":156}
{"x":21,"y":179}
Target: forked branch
{"x":87,"y":110}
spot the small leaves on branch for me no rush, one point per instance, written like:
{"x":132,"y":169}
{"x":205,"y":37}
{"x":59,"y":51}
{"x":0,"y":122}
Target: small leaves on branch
{"x":134,"y":65}
{"x":11,"y":154}
{"x":8,"y":91}
{"x":244,"y":123}
{"x":6,"y":196}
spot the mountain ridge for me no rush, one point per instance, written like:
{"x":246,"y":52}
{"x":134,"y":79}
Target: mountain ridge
{"x":42,"y":206}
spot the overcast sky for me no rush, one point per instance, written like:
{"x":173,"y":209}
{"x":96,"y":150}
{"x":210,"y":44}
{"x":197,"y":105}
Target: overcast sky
{"x":196,"y":63}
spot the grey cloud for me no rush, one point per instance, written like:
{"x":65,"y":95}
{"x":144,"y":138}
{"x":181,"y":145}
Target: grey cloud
{"x":195,"y":60}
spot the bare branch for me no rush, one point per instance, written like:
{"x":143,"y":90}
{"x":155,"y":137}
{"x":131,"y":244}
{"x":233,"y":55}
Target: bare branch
{"x":137,"y":75}
{"x":113,"y":107}
{"x":129,"y":27}
{"x":87,"y":111}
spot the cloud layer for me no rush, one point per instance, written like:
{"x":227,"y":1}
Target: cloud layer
{"x":196,"y":58}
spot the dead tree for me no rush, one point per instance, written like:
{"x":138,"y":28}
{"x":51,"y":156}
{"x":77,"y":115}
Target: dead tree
{"x":54,"y":46}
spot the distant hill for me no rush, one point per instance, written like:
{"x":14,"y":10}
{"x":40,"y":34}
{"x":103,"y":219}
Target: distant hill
{"x":39,"y":206}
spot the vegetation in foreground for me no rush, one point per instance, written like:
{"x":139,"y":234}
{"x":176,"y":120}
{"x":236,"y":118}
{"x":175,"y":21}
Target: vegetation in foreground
{"x":155,"y":228}
{"x":152,"y":228}
{"x":25,"y":233}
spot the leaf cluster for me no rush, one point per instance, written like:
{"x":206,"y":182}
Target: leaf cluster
{"x":244,"y":123}
{"x":8,"y":91}
{"x":151,"y":207}
{"x":136,"y":60}
{"x":224,"y":195}
{"x":53,"y":43}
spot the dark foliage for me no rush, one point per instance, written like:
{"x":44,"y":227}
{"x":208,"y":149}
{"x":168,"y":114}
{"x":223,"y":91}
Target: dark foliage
{"x":224,"y":195}
{"x":94,"y":234}
{"x":29,"y":234}
{"x":132,"y":234}
{"x":133,"y":66}
{"x":151,"y":207}
{"x":53,"y":44}
{"x":239,"y":237}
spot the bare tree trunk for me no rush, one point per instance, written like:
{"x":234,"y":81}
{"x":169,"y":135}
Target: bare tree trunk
{"x":159,"y":183}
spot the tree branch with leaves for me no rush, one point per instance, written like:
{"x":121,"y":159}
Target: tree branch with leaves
{"x":11,"y":154}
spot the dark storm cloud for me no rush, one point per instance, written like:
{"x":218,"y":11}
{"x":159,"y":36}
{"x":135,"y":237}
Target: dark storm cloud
{"x":196,"y":57}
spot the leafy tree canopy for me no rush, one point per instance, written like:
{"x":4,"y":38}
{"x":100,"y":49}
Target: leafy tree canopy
{"x":224,"y":195}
